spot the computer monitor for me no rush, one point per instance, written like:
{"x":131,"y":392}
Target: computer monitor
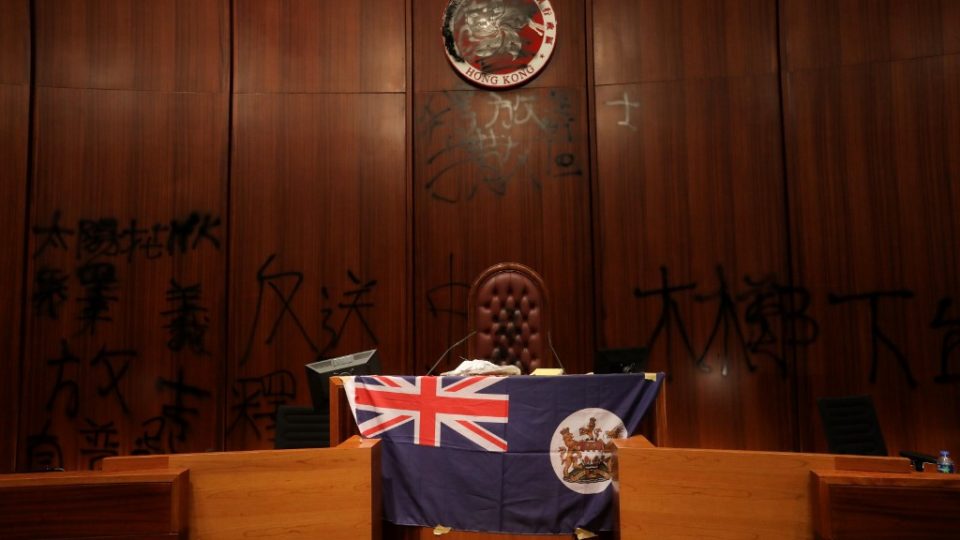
{"x":625,"y":360}
{"x":319,"y":373}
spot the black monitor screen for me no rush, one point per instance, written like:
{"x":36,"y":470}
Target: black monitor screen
{"x":319,"y":373}
{"x":627,"y":360}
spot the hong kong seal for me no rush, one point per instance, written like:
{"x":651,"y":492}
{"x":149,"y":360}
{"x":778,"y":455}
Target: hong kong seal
{"x":499,"y":43}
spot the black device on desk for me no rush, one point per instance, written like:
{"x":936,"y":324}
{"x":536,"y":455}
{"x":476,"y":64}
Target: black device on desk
{"x":625,"y":360}
{"x":319,"y":373}
{"x":309,"y":427}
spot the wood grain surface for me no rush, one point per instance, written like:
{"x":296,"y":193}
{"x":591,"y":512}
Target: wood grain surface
{"x":14,"y":132}
{"x":313,"y":493}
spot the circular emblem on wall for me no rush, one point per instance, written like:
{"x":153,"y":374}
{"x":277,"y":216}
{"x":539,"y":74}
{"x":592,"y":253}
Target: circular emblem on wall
{"x":499,"y":43}
{"x":581,"y":450}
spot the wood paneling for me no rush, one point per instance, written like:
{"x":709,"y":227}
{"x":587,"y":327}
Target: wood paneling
{"x":320,"y":46}
{"x":661,"y":40}
{"x":14,"y":42}
{"x":124,"y":335}
{"x":823,"y":33}
{"x":690,"y":198}
{"x":433,"y":72}
{"x":690,"y":193}
{"x":137,"y":505}
{"x":161,"y":45}
{"x":317,"y":226}
{"x":129,"y":199}
{"x":14,"y":133}
{"x":501,"y":177}
{"x":873,"y":172}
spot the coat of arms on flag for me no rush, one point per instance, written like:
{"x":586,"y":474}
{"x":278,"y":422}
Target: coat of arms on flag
{"x":499,"y":454}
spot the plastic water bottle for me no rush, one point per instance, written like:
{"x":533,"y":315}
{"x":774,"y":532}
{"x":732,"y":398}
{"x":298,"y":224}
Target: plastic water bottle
{"x":944,"y":463}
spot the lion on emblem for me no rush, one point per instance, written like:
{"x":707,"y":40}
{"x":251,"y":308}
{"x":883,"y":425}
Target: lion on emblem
{"x":492,"y":28}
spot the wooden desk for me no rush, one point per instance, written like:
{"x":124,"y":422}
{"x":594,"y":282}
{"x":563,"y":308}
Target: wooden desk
{"x":683,"y":493}
{"x":309,"y":493}
{"x":94,"y":504}
{"x":850,"y":505}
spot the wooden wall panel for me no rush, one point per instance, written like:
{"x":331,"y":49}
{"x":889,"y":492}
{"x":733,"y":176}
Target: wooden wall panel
{"x":874,"y":196}
{"x":320,"y":46}
{"x":501,"y":176}
{"x":14,"y":130}
{"x":125,"y":322}
{"x":822,"y":33}
{"x":432,"y":71}
{"x":127,"y":250}
{"x":319,"y":228}
{"x":15,"y":42}
{"x":318,"y":244}
{"x":161,"y":45}
{"x":690,"y":197}
{"x":655,"y":40}
{"x":690,"y":201}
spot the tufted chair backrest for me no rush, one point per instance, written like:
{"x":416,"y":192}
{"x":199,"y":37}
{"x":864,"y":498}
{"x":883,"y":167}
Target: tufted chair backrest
{"x":507,"y":306}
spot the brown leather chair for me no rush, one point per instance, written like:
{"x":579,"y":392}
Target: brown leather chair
{"x":507,"y":306}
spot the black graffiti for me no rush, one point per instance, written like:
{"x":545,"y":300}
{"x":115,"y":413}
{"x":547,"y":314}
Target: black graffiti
{"x":669,"y":316}
{"x":114,"y":375}
{"x":100,"y":442}
{"x":776,"y":316}
{"x":49,"y":292}
{"x":270,"y":280}
{"x":277,"y":388}
{"x":285,"y":286}
{"x":353,"y":307}
{"x":151,"y":440}
{"x":106,"y":237}
{"x":100,"y":281}
{"x":951,"y":339}
{"x":43,"y":451}
{"x":484,"y":137}
{"x":188,"y":320}
{"x":728,"y":319}
{"x":64,"y":384}
{"x":177,"y":412}
{"x":100,"y":237}
{"x":53,"y":236}
{"x":448,"y":299}
{"x":877,"y":336}
{"x":181,"y":232}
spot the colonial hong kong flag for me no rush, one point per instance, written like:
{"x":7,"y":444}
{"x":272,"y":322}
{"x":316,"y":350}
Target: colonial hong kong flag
{"x":502,"y":454}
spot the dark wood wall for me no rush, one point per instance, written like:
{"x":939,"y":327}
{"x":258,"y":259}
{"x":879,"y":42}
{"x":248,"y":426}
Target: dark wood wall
{"x":205,"y":195}
{"x":14,"y":134}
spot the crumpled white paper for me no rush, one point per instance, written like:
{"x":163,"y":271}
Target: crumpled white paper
{"x":482,"y":367}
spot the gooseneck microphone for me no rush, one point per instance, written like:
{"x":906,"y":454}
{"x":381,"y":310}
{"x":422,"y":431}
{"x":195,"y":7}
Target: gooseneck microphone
{"x":446,"y":352}
{"x":554,"y":351}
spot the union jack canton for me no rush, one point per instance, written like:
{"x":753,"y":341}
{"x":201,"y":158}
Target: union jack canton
{"x":429,"y":403}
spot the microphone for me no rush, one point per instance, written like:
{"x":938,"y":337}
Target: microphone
{"x":554,"y":351}
{"x":446,"y":352}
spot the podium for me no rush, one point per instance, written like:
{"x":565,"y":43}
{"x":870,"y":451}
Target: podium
{"x":342,"y":425}
{"x":674,"y":493}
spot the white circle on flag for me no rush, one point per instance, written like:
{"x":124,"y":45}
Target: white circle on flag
{"x":581,"y":450}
